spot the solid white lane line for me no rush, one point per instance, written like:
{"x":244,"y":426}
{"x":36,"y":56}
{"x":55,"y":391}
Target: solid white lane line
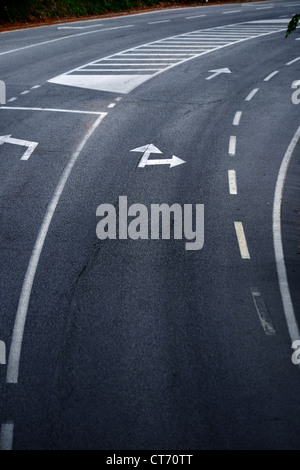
{"x":19,"y":327}
{"x":237,"y":118}
{"x":278,"y":247}
{"x":252,"y":94}
{"x":50,"y":110}
{"x":192,"y":17}
{"x":232,"y":182}
{"x":242,"y":240}
{"x":263,"y":313}
{"x":232,"y":145}
{"x":111,"y":105}
{"x":271,"y":76}
{"x":158,"y":22}
{"x":293,"y":61}
{"x":7,"y":436}
{"x":63,"y":38}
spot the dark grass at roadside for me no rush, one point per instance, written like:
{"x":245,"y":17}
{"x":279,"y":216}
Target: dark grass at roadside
{"x":14,"y":13}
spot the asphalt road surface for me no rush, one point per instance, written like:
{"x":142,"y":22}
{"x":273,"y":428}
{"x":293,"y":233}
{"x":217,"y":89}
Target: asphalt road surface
{"x":124,"y":344}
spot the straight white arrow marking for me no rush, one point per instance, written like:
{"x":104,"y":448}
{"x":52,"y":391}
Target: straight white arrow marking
{"x":217,"y":72}
{"x":24,"y":143}
{"x":174,"y":161}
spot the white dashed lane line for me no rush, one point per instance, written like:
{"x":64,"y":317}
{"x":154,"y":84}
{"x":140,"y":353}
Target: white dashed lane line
{"x":293,"y":61}
{"x":228,"y":12}
{"x":240,"y":233}
{"x":26,"y":92}
{"x":192,"y":17}
{"x":232,"y":182}
{"x":252,"y":94}
{"x":232,"y":146}
{"x":269,"y":77}
{"x":237,"y":118}
{"x":158,"y":22}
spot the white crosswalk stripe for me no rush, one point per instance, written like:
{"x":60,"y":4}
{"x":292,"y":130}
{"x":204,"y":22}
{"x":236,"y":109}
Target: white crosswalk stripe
{"x":122,"y":72}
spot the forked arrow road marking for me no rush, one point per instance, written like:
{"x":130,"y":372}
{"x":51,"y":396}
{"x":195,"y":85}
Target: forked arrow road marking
{"x":23,"y":143}
{"x":218,"y":72}
{"x":148,"y":149}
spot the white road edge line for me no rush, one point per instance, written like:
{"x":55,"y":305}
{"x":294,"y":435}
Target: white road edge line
{"x":277,"y":238}
{"x":271,"y":76}
{"x":237,"y":118}
{"x":263,"y":313}
{"x":252,"y":94}
{"x":51,"y":110}
{"x":64,"y":37}
{"x":240,"y":233}
{"x":7,"y":436}
{"x":232,"y":145}
{"x":19,"y":326}
{"x":232,"y":182}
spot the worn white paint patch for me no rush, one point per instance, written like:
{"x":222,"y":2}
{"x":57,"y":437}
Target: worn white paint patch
{"x":7,"y":436}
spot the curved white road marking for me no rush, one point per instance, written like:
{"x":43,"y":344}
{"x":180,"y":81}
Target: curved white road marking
{"x":278,"y":247}
{"x":18,"y":332}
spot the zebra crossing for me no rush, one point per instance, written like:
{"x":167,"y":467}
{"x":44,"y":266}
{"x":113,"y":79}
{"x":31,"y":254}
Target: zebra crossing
{"x":122,"y":72}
